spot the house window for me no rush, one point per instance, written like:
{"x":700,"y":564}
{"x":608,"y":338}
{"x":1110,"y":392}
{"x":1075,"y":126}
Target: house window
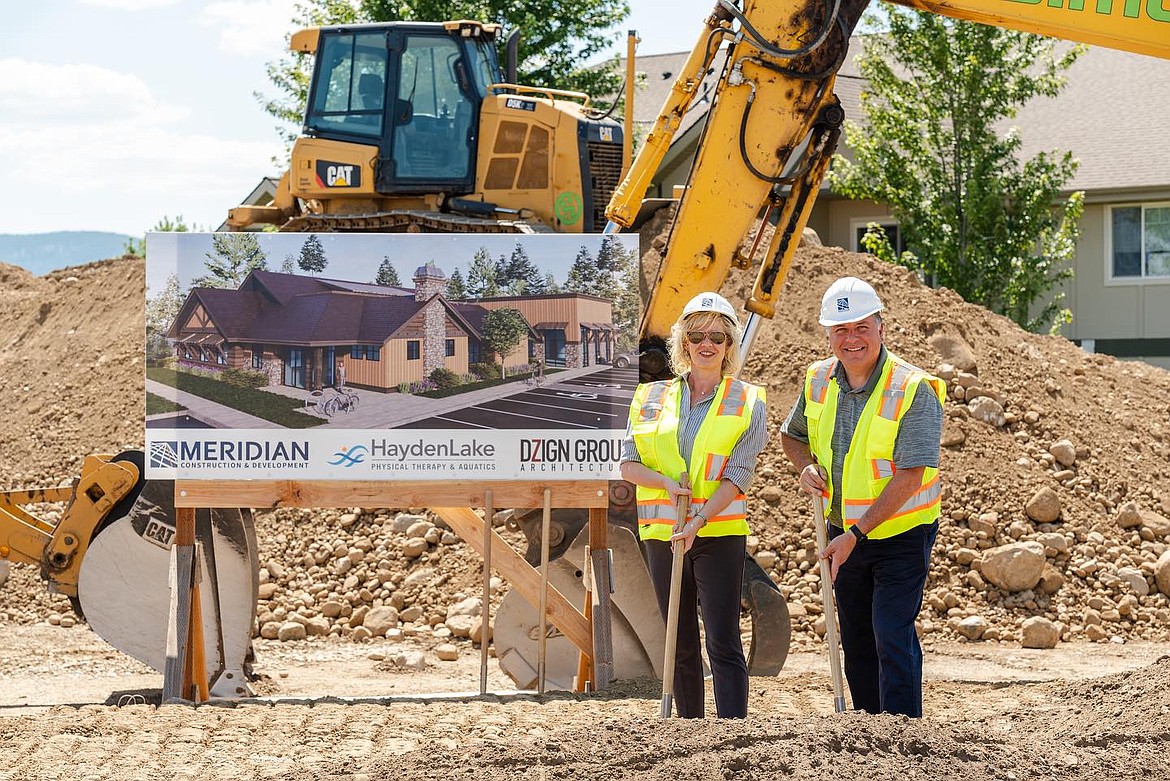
{"x":472,"y":351}
{"x":1140,"y":241}
{"x":891,"y":229}
{"x":412,"y":349}
{"x":450,"y":348}
{"x":187,"y":352}
{"x":257,"y":357}
{"x":357,"y":352}
{"x":374,"y":353}
{"x":554,"y":346}
{"x":221,"y":357}
{"x":294,"y":369}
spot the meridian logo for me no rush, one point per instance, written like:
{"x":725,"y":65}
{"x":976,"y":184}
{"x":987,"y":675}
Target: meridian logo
{"x":164,"y":455}
{"x":352,"y":457}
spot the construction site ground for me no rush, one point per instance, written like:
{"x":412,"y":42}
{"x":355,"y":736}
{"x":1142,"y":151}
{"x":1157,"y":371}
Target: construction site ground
{"x":1095,"y":706}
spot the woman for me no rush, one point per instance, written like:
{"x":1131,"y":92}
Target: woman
{"x":712,"y":427}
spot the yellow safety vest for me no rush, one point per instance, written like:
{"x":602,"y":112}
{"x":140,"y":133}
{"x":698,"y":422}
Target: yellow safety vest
{"x":654,"y":422}
{"x":869,"y":464}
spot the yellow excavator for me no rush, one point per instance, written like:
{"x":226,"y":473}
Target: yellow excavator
{"x":410,"y":127}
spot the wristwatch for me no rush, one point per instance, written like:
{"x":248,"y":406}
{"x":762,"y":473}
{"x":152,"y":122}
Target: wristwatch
{"x":700,"y":517}
{"x":857,"y":532}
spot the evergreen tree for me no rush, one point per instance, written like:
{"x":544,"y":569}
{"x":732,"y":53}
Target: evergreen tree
{"x":289,"y":266}
{"x":583,"y":273}
{"x":456,"y":287}
{"x":161,"y":311}
{"x":522,"y":277}
{"x":481,"y":276}
{"x":975,"y":216}
{"x":312,"y":259}
{"x":387,"y":274}
{"x":627,"y":301}
{"x":233,"y":257}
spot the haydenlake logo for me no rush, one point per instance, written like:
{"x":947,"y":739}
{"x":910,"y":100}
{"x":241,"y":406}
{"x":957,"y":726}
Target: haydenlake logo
{"x":350,"y":457}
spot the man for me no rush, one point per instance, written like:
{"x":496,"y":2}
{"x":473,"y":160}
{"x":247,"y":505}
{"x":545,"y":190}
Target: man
{"x":864,"y":435}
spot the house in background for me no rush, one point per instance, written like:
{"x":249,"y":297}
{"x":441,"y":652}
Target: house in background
{"x":1112,"y":115}
{"x":307,"y":332}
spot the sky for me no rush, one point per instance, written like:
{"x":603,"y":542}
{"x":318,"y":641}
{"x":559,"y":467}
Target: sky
{"x":117,"y":113}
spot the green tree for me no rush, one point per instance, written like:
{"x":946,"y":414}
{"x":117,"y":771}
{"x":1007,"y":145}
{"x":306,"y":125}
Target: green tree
{"x":161,"y":311}
{"x":521,"y":277}
{"x":582,"y":276}
{"x":233,"y":257}
{"x":312,"y":258}
{"x":627,"y":302}
{"x":456,"y":287}
{"x":137,"y":247}
{"x":502,"y":331}
{"x":975,"y":217}
{"x":387,"y":274}
{"x":289,"y":266}
{"x":559,"y":38}
{"x":481,"y":276}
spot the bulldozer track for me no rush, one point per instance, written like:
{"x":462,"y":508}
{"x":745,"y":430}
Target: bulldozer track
{"x":408,"y":221}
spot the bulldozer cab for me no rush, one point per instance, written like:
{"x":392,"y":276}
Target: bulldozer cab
{"x":412,"y":89}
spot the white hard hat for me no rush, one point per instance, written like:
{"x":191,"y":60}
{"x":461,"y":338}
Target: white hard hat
{"x":848,"y":300}
{"x":710,"y":302}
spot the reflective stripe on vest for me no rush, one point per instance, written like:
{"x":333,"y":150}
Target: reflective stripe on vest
{"x":655,"y":434}
{"x":869,"y":466}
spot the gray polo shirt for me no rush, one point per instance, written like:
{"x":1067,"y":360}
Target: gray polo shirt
{"x":919,"y":433}
{"x":741,"y":463}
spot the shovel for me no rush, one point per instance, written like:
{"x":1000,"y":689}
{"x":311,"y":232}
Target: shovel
{"x":830,"y":610}
{"x":680,"y":512}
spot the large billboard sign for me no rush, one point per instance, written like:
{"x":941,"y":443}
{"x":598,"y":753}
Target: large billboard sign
{"x":376,"y":356}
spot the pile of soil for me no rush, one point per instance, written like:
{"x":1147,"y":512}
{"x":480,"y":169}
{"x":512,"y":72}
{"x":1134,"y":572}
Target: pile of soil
{"x":72,"y":347}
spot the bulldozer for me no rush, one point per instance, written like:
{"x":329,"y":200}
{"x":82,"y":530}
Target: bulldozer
{"x":411,"y":127}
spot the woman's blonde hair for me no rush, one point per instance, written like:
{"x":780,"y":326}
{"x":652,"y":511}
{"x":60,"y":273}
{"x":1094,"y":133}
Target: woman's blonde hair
{"x":680,"y":359}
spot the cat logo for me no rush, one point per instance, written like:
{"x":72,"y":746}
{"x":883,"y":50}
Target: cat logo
{"x":334,"y":175}
{"x":160,"y":534}
{"x":606,"y":134}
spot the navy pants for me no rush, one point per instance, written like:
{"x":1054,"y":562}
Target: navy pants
{"x":879,"y":593}
{"x":711,"y":581}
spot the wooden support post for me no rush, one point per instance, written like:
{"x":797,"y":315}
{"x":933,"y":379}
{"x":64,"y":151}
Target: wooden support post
{"x":178,"y":674}
{"x":485,"y":613}
{"x":542,"y":653}
{"x":584,"y":680}
{"x":601,"y":602}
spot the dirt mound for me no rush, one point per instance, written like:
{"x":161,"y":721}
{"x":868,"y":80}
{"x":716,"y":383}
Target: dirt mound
{"x":1029,"y":416}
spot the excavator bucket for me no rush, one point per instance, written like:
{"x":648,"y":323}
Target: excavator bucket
{"x":124,"y":585}
{"x":636,"y":625}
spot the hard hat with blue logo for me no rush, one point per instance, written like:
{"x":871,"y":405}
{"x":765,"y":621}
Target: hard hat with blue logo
{"x":848,"y":300}
{"x":710,"y":302}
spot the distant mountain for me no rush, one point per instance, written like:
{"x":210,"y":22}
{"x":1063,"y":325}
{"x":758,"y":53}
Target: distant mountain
{"x":44,"y":252}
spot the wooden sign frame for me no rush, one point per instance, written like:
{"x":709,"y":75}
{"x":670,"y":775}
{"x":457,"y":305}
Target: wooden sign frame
{"x":588,"y":628}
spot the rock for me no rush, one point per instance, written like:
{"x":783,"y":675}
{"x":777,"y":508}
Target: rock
{"x":267,"y":590}
{"x":953,"y":349}
{"x":275,"y":570}
{"x":472,"y":606}
{"x":988,"y":523}
{"x":1129,"y":515}
{"x":809,"y":238}
{"x":317,"y":626}
{"x":766,"y":559}
{"x":1158,"y":524}
{"x":1162,"y":573}
{"x":412,"y":613}
{"x":460,"y":626}
{"x":1051,"y":580}
{"x":4,"y":569}
{"x":270,"y":630}
{"x":447,"y":652}
{"x":1014,"y":567}
{"x":1039,"y":632}
{"x":404,"y":521}
{"x":771,"y":494}
{"x":414,"y":660}
{"x":415,"y":547}
{"x":972,"y":627}
{"x":1053,"y":543}
{"x":291,"y":630}
{"x":331,"y":608}
{"x":1136,"y":581}
{"x":965,"y":556}
{"x":359,"y":634}
{"x":1044,"y":506}
{"x":380,"y":620}
{"x":419,"y":529}
{"x":1094,"y":632}
{"x":477,"y":630}
{"x":1064,"y":452}
{"x":987,"y":410}
{"x":953,"y":436}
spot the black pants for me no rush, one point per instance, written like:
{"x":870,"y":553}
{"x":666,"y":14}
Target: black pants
{"x":879,"y":594}
{"x":712,"y":578}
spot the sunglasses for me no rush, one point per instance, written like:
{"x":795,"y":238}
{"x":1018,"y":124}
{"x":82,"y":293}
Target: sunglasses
{"x":697,"y":337}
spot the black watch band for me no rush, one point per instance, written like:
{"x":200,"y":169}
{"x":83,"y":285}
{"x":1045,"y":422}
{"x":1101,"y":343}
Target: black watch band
{"x":857,"y":532}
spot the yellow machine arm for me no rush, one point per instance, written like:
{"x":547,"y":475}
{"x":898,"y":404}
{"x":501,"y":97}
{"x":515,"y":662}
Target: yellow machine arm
{"x":774,"y":125}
